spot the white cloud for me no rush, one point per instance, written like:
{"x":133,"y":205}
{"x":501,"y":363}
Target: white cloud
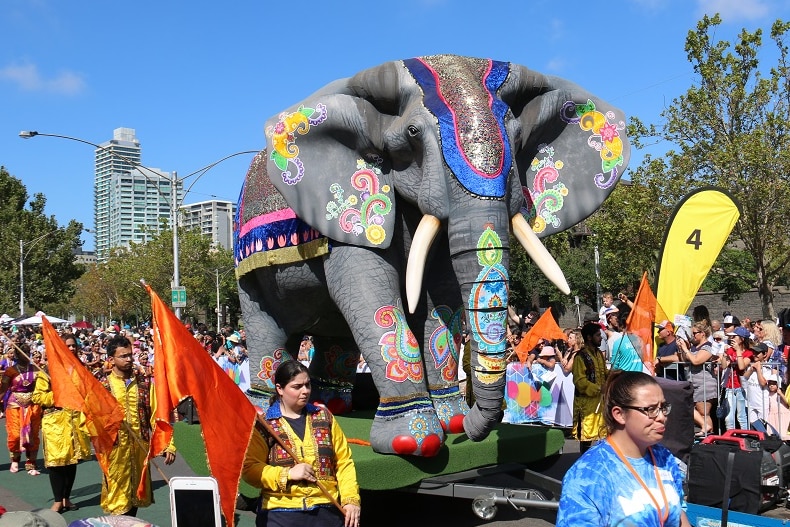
{"x":28,"y":78}
{"x":735,"y":10}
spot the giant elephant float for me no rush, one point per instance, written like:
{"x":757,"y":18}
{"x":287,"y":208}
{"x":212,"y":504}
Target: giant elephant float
{"x":378,"y":217}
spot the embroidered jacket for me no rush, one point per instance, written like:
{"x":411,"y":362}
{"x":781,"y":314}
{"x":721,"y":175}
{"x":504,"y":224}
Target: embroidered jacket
{"x":143,"y":403}
{"x":267,"y":464}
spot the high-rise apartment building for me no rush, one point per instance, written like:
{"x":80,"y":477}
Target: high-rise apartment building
{"x":131,"y":202}
{"x":213,"y":218}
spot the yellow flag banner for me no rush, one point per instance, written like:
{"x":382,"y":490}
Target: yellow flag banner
{"x":697,"y":231}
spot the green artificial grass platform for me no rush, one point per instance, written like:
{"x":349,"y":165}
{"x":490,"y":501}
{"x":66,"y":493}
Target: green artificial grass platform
{"x":506,"y":444}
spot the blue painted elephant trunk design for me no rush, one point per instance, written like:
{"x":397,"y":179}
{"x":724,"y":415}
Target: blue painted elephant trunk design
{"x":378,"y":219}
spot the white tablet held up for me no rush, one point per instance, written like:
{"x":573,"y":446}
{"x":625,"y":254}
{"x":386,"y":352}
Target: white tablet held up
{"x":194,"y":502}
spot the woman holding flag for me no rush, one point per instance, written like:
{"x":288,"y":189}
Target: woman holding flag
{"x":307,"y":491}
{"x":65,"y":442}
{"x":23,"y":418}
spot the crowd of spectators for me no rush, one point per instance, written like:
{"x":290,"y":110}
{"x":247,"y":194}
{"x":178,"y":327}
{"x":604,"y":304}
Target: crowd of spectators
{"x":737,"y":367}
{"x":227,"y":344}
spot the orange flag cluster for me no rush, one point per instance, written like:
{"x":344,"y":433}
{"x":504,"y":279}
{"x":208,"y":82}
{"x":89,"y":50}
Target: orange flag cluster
{"x":545,"y":328}
{"x":641,"y":320}
{"x":182,"y":368}
{"x":75,"y":387}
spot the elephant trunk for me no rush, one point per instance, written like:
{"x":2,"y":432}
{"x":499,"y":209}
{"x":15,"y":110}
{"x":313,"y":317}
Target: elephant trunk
{"x":480,"y":255}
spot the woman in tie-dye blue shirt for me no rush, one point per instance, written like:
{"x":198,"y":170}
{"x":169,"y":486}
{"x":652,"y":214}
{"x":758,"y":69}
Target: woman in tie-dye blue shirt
{"x":628,"y":479}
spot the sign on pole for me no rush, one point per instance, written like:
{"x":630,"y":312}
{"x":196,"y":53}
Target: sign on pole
{"x":179,"y":296}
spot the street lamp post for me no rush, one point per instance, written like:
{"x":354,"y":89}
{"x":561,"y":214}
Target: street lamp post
{"x":219,"y":307}
{"x":22,"y":256}
{"x":173,"y":198}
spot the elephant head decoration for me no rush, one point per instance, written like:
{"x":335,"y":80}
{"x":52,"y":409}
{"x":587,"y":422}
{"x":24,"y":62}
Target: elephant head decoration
{"x":404,"y":182}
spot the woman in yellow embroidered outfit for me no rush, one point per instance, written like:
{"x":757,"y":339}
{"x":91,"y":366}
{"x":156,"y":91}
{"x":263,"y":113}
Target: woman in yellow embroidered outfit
{"x":66,"y":443}
{"x":289,"y":493}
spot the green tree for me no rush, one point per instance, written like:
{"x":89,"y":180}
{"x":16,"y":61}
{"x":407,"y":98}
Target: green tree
{"x":115,"y":284}
{"x":47,"y":251}
{"x":732,"y":130}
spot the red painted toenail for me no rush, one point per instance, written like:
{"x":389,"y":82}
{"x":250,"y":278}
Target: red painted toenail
{"x":431,"y":445}
{"x":456,"y":424}
{"x":404,"y":445}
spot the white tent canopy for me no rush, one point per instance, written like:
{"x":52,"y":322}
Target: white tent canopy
{"x":5,"y":318}
{"x":36,"y":320}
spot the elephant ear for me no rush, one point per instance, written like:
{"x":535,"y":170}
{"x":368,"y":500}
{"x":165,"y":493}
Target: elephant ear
{"x":326,"y":159}
{"x":571,"y":152}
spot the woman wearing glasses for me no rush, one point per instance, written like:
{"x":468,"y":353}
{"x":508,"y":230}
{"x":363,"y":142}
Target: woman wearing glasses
{"x":628,"y":479}
{"x":706,"y":389}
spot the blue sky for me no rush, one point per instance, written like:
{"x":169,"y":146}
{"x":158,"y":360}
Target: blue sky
{"x":197,"y":80}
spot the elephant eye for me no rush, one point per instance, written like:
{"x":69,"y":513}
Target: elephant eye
{"x":413,"y":131}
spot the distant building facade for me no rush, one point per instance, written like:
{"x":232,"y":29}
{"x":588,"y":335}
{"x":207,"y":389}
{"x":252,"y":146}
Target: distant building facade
{"x":131,"y":202}
{"x":213,"y":218}
{"x":84,"y":257}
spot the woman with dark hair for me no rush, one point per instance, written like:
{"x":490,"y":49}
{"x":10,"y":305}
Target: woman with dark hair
{"x":628,"y":479}
{"x":734,"y":362}
{"x":290,"y":494}
{"x":65,"y":443}
{"x":23,"y":418}
{"x":701,"y":314}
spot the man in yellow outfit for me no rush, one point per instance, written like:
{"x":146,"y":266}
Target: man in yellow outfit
{"x":589,"y":377}
{"x":128,"y":457}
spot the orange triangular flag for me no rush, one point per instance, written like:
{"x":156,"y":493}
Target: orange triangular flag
{"x":545,"y":328}
{"x":641,"y":319}
{"x":75,"y":387}
{"x":182,"y":368}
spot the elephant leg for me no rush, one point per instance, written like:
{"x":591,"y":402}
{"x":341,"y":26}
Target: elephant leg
{"x":332,"y":372}
{"x":365,"y":286}
{"x":265,"y":341}
{"x":442,"y":347}
{"x":441,"y":332}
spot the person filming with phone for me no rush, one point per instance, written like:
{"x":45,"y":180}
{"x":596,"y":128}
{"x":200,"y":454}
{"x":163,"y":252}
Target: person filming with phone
{"x":304,"y":491}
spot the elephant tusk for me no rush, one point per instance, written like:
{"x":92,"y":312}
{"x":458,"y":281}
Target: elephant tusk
{"x":538,"y":252}
{"x":415,"y":268}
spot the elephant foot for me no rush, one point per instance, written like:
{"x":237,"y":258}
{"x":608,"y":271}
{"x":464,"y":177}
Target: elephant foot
{"x":406,"y":427}
{"x":450,"y":407}
{"x":335,"y":395}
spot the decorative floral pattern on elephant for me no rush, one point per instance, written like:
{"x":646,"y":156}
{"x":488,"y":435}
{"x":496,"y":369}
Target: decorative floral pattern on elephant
{"x":269,"y":365}
{"x":445,"y":342}
{"x":546,"y":202}
{"x":605,"y":139}
{"x":283,"y":140}
{"x":394,"y":194}
{"x":373,"y":203}
{"x":399,"y":347}
{"x":488,"y":298}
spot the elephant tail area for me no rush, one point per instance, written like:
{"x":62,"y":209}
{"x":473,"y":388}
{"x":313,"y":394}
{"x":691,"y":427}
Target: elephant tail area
{"x":266,"y":230}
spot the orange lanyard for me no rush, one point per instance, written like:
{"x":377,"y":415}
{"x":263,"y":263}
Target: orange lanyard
{"x":663,"y":514}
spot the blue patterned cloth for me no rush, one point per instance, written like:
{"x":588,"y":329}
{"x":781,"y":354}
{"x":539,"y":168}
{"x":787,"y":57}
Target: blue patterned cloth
{"x":599,"y":490}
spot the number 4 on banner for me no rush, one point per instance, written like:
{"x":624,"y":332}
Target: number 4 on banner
{"x":695,"y":239}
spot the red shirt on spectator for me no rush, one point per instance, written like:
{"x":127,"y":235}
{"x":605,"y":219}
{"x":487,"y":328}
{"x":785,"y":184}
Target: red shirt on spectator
{"x":734,"y":379}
